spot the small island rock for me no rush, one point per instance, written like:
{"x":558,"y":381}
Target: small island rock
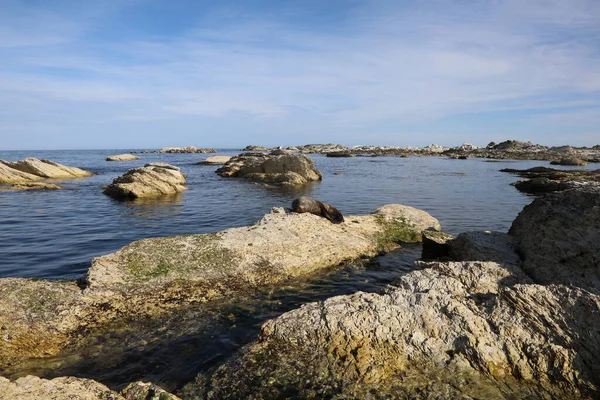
{"x":154,"y":179}
{"x":215,"y":160}
{"x":286,"y":169}
{"x":122,"y":157}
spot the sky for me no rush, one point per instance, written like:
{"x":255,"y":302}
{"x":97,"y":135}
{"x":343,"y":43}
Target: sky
{"x":226,"y":74}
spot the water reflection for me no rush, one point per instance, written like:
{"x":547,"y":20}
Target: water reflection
{"x":153,"y":207}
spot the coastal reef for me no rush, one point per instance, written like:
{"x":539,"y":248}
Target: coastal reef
{"x":151,"y":180}
{"x":544,"y":179}
{"x":276,"y":168}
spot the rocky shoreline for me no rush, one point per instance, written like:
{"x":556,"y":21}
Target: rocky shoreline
{"x":507,"y":150}
{"x":488,"y":315}
{"x":512,"y":315}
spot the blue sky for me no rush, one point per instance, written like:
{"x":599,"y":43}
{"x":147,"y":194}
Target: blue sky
{"x":155,"y":73}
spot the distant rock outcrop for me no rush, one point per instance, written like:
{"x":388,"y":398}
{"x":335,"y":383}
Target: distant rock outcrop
{"x":122,"y":157}
{"x":286,"y":169}
{"x":254,"y":148}
{"x":188,"y":149}
{"x":544,"y":179}
{"x":154,"y":179}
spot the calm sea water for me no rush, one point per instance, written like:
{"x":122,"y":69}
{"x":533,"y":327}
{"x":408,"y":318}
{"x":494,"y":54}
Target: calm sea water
{"x":55,"y":234}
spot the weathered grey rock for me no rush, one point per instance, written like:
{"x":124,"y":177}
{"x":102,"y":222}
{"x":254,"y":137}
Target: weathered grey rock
{"x":287,"y":169}
{"x":435,"y":245}
{"x":151,"y":277}
{"x":152,"y":180}
{"x":280,"y":246}
{"x":47,"y":169}
{"x":34,"y":388}
{"x":215,"y":160}
{"x":452,"y":330}
{"x":122,"y":157}
{"x":254,"y":148}
{"x":279,"y":152}
{"x":485,"y":246}
{"x":558,"y":236}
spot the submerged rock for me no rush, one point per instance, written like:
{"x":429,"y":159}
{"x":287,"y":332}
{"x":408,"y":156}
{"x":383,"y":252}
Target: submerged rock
{"x":32,"y":169}
{"x":286,"y":169}
{"x":122,"y":157}
{"x":558,"y":236}
{"x":451,"y":330}
{"x":154,"y":179}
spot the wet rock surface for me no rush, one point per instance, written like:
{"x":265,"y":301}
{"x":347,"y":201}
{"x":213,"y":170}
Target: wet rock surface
{"x":152,"y":180}
{"x":285,"y":169}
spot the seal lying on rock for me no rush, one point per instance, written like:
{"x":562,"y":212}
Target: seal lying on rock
{"x":308,"y":204}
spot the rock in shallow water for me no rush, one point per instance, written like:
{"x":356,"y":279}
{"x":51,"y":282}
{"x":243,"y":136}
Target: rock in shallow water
{"x":122,"y":157}
{"x":152,"y":180}
{"x":286,"y":169}
{"x":32,"y":169}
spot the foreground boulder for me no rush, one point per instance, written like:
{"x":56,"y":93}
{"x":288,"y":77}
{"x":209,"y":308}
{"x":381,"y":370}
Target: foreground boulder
{"x":558,"y":237}
{"x":151,"y":277}
{"x":284,"y":169}
{"x":122,"y":157}
{"x":451,"y":330}
{"x":32,"y":169}
{"x":34,"y":388}
{"x":152,"y":180}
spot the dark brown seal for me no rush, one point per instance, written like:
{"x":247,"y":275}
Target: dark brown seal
{"x":309,"y":205}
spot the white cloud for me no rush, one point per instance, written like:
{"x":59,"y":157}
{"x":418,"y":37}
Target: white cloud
{"x":382,"y":64}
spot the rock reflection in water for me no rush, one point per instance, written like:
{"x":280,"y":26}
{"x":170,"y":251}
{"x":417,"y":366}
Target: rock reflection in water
{"x":154,"y":207}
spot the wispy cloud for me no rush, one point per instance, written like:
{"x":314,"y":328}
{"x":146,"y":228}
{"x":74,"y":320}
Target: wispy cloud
{"x":361,"y":71}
